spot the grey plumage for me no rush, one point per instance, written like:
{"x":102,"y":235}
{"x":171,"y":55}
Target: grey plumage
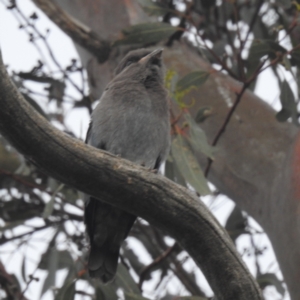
{"x":131,"y":120}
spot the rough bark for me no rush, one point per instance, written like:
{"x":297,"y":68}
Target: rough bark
{"x":257,"y":160}
{"x":123,"y":184}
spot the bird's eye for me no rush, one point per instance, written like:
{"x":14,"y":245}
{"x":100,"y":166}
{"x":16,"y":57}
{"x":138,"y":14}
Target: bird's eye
{"x":156,"y":61}
{"x":128,"y":63}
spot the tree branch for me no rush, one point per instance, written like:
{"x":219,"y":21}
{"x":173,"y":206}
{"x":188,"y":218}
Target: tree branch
{"x":10,"y":284}
{"x":123,"y":184}
{"x":78,"y":32}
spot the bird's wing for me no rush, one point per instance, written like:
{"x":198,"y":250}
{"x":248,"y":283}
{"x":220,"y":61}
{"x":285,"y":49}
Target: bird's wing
{"x":107,"y":227}
{"x":88,"y":134}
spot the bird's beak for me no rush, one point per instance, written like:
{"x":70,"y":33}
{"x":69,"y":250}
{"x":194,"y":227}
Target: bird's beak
{"x":156,"y":53}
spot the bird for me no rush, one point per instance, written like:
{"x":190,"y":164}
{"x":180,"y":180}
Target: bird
{"x":132,"y":121}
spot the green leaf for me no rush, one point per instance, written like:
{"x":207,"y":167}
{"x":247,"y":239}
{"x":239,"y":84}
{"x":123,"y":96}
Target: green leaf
{"x":67,"y":291}
{"x":191,"y":80}
{"x":105,"y":292}
{"x":203,"y":113}
{"x":295,"y":58}
{"x":171,"y":79}
{"x":284,"y":4}
{"x":236,"y":224}
{"x":50,"y":205}
{"x":283,"y":115}
{"x":24,"y":169}
{"x":125,"y":280}
{"x":274,"y":48}
{"x":153,"y":8}
{"x":268,"y":279}
{"x":70,"y":292}
{"x":11,"y":225}
{"x":52,"y":268}
{"x":131,"y":296}
{"x":146,"y":33}
{"x":188,"y":165}
{"x":48,"y":208}
{"x":172,"y":172}
{"x":23,"y":269}
{"x":197,"y":139}
{"x":260,"y":48}
{"x":289,"y":106}
{"x":65,"y":260}
{"x":286,"y":62}
{"x":191,"y":298}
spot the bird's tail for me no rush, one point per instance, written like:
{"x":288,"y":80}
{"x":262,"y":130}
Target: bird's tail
{"x":107,"y":227}
{"x":103,"y":263}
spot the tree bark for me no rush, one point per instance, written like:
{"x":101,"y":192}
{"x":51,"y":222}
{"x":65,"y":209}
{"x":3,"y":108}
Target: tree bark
{"x":121,"y":183}
{"x":257,"y":160}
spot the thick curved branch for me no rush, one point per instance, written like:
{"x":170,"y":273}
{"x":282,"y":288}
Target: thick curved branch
{"x":130,"y":187}
{"x":78,"y":32}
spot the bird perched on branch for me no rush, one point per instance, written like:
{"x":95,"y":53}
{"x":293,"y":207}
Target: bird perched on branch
{"x":132,"y":121}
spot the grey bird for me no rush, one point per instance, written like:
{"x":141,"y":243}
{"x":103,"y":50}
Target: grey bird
{"x":132,"y":121}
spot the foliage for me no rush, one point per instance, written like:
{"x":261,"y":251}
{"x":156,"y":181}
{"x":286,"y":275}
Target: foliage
{"x":238,"y":37}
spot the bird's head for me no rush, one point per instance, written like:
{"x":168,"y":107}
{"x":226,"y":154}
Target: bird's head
{"x":143,"y":64}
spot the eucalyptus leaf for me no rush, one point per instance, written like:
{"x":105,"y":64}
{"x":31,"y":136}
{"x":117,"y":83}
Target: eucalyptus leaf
{"x":131,"y":296}
{"x":172,"y":172}
{"x":191,"y":80}
{"x":65,"y":260}
{"x":285,"y":4}
{"x":70,"y":292}
{"x":197,"y":138}
{"x":295,"y":58}
{"x":68,"y":287}
{"x":192,"y":298}
{"x":153,"y":8}
{"x":288,"y":102}
{"x":50,"y":205}
{"x":203,"y":113}
{"x":188,"y":165}
{"x":236,"y":223}
{"x":105,"y":292}
{"x":52,"y":264}
{"x":259,"y":49}
{"x":268,"y":279}
{"x":125,"y":280}
{"x":10,"y":160}
{"x":286,"y":62}
{"x":133,"y":258}
{"x":11,"y":225}
{"x":146,"y":33}
{"x":283,"y":115}
{"x":23,"y":269}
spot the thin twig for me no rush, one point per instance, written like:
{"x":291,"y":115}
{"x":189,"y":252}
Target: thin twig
{"x":78,"y":32}
{"x":31,"y":278}
{"x":156,"y":262}
{"x":4,"y":240}
{"x":43,"y":38}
